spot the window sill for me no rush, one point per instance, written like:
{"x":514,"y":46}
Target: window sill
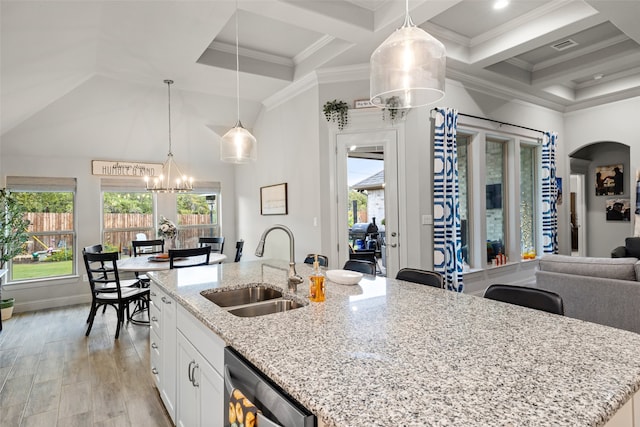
{"x":41,"y":283}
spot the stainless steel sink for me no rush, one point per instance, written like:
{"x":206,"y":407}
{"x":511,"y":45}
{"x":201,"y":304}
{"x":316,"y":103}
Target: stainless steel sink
{"x":265,"y":308}
{"x":242,"y":296}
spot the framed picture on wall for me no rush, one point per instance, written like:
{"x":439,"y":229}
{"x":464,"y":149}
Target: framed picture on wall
{"x":609,"y":180}
{"x":273,"y":200}
{"x":618,"y":210}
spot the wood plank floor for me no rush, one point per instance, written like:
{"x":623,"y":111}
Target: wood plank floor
{"x":52,"y":375}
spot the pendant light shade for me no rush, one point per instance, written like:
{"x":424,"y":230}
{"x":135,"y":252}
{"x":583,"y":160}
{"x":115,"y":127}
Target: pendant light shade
{"x":171,"y":180}
{"x":407,"y":69}
{"x":238,"y":145}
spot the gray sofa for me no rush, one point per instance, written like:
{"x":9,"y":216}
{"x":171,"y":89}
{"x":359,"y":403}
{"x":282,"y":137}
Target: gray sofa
{"x":599,"y":290}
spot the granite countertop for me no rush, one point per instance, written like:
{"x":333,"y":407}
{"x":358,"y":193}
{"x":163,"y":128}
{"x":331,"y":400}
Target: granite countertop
{"x":389,"y":353}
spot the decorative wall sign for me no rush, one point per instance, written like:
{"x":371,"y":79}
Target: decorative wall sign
{"x":618,"y":210}
{"x":363,"y":103}
{"x":125,"y":169}
{"x":609,"y":180}
{"x":273,"y":200}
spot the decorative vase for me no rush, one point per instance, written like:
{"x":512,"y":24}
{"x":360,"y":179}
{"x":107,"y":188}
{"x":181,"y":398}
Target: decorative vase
{"x":169,"y":243}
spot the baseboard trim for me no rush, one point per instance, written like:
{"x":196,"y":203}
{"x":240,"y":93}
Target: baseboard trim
{"x":51,"y":303}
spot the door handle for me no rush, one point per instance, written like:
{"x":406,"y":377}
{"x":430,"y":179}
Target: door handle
{"x":193,"y":375}
{"x":154,"y":345}
{"x":166,"y":301}
{"x":154,"y":371}
{"x":189,"y":371}
{"x":394,"y":245}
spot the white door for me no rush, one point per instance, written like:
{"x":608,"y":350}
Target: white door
{"x":378,"y":145}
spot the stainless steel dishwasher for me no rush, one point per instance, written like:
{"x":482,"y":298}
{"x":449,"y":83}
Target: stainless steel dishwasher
{"x":277,"y":408}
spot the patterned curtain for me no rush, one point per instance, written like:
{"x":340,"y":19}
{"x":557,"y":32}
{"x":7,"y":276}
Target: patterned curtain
{"x":447,"y":243}
{"x":549,"y":194}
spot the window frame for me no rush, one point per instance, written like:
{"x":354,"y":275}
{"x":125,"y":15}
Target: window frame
{"x":477,"y":132}
{"x":30,"y":184}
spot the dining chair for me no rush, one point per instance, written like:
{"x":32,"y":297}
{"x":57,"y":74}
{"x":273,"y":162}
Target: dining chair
{"x":323,"y":261}
{"x":146,"y":247}
{"x":155,"y":246}
{"x":538,"y":299}
{"x":188,"y":255}
{"x":423,"y":277}
{"x":364,"y":255}
{"x":239,"y":246}
{"x":93,"y":249}
{"x":362,"y":266}
{"x":107,"y":289}
{"x":216,"y":243}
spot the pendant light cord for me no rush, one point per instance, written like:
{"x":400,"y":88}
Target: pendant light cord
{"x":407,"y":19}
{"x":237,"y":66}
{"x":168,"y":82}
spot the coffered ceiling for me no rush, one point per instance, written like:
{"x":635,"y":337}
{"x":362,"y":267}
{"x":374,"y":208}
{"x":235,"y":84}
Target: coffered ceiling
{"x":563,"y":54}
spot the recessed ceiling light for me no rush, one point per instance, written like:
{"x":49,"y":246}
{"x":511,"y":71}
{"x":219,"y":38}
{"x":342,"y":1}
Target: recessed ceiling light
{"x":598,"y":76}
{"x":500,"y":4}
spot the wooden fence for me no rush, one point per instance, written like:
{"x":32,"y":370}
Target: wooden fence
{"x":45,"y":223}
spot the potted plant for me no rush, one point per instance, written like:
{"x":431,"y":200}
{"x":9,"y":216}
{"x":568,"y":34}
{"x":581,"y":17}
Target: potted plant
{"x":13,"y":233}
{"x":337,"y":112}
{"x":392,"y":111}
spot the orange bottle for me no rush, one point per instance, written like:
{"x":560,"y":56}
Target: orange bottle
{"x":316,"y":283}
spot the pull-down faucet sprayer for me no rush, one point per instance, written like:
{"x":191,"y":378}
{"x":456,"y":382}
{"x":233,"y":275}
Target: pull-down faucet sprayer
{"x":293,"y":280}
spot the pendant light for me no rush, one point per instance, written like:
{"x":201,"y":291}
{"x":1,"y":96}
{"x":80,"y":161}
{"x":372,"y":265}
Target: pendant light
{"x":171,"y":180}
{"x":238,"y":145}
{"x":408,"y":68}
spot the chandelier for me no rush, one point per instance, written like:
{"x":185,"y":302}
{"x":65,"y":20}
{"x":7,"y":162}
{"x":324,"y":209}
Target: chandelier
{"x":171,"y":180}
{"x":408,"y":68}
{"x":238,"y":145}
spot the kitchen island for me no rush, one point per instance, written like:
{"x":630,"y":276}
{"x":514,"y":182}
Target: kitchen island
{"x":389,"y":353}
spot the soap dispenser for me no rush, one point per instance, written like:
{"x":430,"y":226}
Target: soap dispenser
{"x":316,"y":283}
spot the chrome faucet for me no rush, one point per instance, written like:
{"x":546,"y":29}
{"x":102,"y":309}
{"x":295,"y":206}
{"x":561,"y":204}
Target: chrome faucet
{"x":293,"y":280}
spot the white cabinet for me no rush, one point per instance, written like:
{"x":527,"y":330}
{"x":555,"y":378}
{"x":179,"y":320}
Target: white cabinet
{"x":162,"y":342}
{"x":200,"y":374}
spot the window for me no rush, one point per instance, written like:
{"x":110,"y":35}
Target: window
{"x":50,"y":205}
{"x":127,"y":214}
{"x":528,"y":197}
{"x":498,"y":178}
{"x":462,"y":145}
{"x":198,"y":214}
{"x":495,"y":210}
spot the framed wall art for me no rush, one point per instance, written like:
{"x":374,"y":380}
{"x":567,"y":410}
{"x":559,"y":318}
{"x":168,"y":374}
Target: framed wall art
{"x":618,"y":210}
{"x":609,"y":180}
{"x":273,"y":200}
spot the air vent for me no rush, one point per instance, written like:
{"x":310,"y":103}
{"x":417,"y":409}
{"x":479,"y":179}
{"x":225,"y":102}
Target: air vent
{"x":564,"y":45}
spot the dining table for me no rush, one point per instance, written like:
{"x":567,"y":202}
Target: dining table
{"x":144,"y":263}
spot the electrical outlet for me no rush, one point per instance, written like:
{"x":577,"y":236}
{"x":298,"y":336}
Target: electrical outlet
{"x":85,"y":278}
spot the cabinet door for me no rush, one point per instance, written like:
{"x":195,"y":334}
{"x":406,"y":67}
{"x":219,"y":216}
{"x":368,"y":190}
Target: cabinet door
{"x":211,"y":386}
{"x":188,"y":395}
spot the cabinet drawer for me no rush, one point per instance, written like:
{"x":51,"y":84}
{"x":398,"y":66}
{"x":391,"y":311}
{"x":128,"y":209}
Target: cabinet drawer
{"x":154,"y":318}
{"x":210,"y":345}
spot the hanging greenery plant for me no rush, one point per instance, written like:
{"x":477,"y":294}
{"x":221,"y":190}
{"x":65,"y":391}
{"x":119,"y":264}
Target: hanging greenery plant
{"x":337,"y":112}
{"x":392,"y":112}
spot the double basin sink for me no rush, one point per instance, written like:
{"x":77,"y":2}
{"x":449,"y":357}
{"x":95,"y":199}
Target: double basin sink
{"x":252,"y":301}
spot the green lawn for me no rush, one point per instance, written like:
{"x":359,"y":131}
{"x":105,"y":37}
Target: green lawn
{"x":42,"y":269}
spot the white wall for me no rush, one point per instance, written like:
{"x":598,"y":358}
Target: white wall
{"x":288,"y":152}
{"x":615,"y":122}
{"x":105,"y":119}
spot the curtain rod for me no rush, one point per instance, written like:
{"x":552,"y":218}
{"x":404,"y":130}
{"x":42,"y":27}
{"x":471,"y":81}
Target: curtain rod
{"x":496,"y":121}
